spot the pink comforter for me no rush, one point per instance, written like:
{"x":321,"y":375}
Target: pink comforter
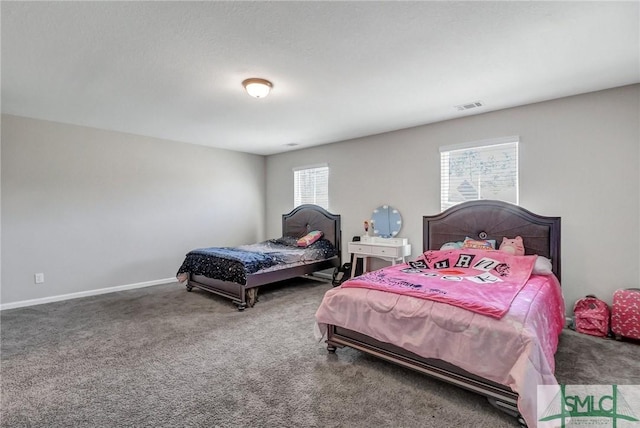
{"x":517,"y":350}
{"x":485,"y":282}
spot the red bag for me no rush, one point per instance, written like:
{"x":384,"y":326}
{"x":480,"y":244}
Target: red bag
{"x":591,"y":316}
{"x":625,"y":313}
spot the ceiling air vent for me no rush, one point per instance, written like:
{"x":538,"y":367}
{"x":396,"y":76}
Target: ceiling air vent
{"x":469,"y":106}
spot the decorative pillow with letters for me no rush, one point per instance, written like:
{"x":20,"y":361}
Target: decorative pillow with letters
{"x":479,"y":244}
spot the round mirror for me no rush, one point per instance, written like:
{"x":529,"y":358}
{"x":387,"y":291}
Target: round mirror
{"x":386,"y":221}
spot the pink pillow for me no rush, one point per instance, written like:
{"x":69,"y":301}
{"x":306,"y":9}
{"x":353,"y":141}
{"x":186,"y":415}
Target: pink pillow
{"x":309,"y":238}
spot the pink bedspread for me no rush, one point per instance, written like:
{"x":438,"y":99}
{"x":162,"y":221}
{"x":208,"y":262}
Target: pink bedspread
{"x":517,"y":350}
{"x":485,"y":282}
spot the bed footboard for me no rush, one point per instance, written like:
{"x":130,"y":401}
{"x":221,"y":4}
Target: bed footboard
{"x":238,"y":293}
{"x":500,"y":396}
{"x":246,"y":295}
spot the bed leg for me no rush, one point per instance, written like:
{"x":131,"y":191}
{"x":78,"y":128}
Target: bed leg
{"x":522,"y":422}
{"x":251,"y":296}
{"x":241,"y":305}
{"x":331,"y":349}
{"x":508,"y":408}
{"x":189,"y":288}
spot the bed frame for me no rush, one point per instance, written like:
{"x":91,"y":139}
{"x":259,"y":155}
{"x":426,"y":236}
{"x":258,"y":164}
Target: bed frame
{"x":297,"y":223}
{"x":483,"y":219}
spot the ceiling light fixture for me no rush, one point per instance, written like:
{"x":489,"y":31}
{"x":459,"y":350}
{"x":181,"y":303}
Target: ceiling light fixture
{"x":257,"y":88}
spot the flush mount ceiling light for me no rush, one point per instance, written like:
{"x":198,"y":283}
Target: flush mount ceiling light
{"x":258,"y":88}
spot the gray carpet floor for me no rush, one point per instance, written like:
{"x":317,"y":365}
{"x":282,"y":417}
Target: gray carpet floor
{"x":163,"y":357}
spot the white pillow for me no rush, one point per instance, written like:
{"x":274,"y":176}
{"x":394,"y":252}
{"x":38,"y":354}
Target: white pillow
{"x":542,"y":266}
{"x":451,"y":246}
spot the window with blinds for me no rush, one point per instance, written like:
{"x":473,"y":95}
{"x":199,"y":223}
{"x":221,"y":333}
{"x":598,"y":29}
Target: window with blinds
{"x":481,"y":170}
{"x":311,"y":186}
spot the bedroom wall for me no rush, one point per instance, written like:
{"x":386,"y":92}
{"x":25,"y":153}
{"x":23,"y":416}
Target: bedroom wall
{"x":579,"y":159}
{"x":93,"y":209}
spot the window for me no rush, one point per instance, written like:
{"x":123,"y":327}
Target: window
{"x":481,"y":170}
{"x":311,"y":186}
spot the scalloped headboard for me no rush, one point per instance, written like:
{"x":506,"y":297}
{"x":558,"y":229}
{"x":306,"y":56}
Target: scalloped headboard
{"x":488,"y":219}
{"x":305,"y":218}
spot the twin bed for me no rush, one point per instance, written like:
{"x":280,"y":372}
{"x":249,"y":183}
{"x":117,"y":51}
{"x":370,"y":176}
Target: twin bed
{"x":238,"y":272}
{"x":503,"y":357}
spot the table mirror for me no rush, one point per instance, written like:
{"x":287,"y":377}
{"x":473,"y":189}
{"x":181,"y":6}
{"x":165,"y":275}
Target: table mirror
{"x":387,"y":221}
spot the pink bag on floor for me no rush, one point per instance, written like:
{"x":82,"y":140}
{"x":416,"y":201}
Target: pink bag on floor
{"x":625,"y":313}
{"x":591,"y":316}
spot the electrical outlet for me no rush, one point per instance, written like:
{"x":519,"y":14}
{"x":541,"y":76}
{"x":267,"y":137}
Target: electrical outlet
{"x":38,"y":278}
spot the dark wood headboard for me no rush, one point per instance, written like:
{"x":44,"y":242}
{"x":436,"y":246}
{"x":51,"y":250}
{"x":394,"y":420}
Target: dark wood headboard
{"x":305,"y":218}
{"x":488,"y":219}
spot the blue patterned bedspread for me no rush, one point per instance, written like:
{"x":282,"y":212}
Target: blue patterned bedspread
{"x":235,"y":263}
{"x":252,"y":261}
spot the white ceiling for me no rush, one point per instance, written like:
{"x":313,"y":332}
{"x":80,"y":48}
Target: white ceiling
{"x":340,"y":70}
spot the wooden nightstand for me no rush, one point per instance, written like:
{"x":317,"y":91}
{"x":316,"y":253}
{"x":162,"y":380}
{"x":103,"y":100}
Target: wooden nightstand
{"x":389,"y":249}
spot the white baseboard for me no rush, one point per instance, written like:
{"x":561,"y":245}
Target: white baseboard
{"x":87,"y":293}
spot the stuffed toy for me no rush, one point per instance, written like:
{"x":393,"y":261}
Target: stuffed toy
{"x":513,"y":246}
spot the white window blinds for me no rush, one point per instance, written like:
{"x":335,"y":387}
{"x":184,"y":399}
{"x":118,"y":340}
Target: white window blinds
{"x":311,"y":186}
{"x":482,"y":170}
